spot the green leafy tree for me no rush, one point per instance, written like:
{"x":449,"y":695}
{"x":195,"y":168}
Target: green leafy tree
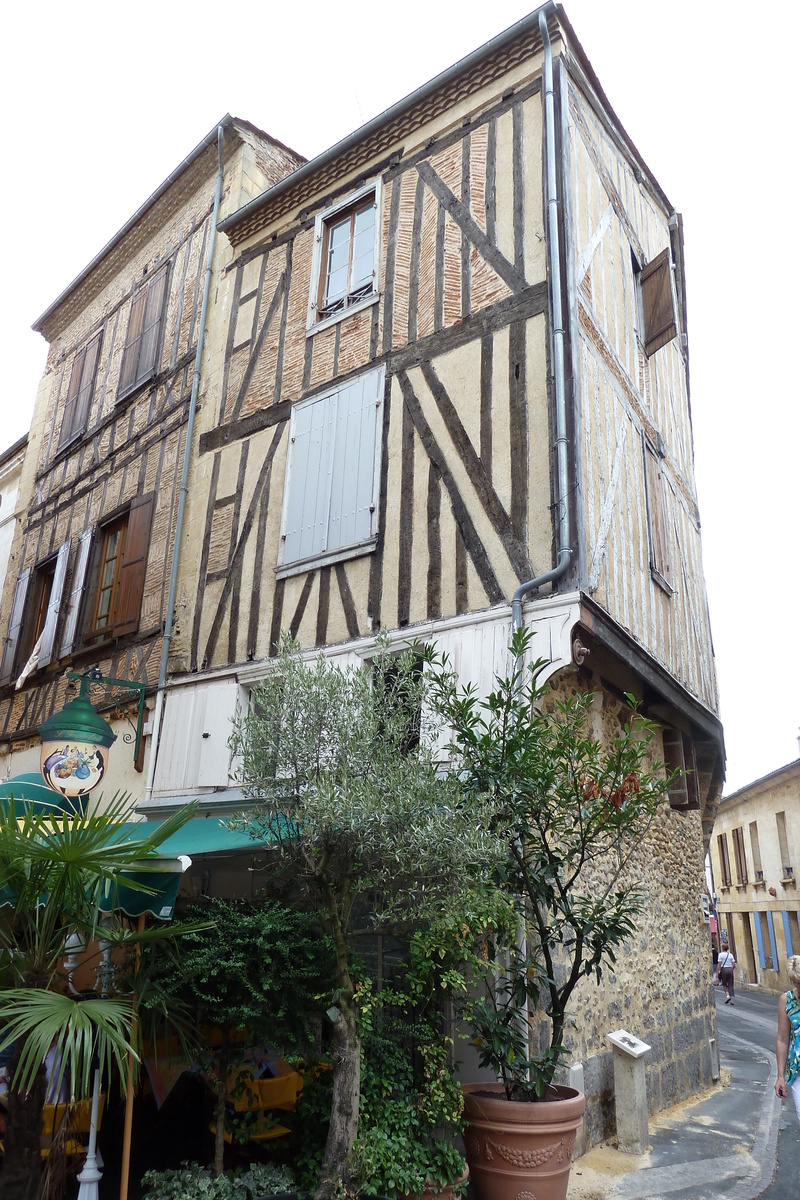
{"x":571,"y":811}
{"x":256,"y":974}
{"x":339,"y":764}
{"x":55,"y":871}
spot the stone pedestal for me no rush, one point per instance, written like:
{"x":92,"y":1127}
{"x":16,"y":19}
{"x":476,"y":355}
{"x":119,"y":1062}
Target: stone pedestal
{"x":630,"y":1092}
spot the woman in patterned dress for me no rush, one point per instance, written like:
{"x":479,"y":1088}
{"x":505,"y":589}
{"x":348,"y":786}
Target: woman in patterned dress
{"x":787,"y":1049}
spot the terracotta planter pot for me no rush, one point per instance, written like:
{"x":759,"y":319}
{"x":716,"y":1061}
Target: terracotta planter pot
{"x":518,"y":1150}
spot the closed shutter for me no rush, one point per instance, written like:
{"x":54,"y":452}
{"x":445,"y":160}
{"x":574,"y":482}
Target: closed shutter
{"x":72,"y":396}
{"x":76,"y":592}
{"x":54,"y":605}
{"x":14,"y":625}
{"x":305,"y":525}
{"x":353,"y":470}
{"x":659,"y":559}
{"x":330,"y":493}
{"x":84,"y":397}
{"x":133,"y":565}
{"x":127,"y":375}
{"x":658,"y":303}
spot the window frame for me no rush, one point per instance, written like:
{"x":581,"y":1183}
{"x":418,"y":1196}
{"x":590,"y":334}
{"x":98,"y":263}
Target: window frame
{"x":322,"y":225}
{"x":142,"y":374}
{"x":125,"y":607}
{"x":328,"y":555}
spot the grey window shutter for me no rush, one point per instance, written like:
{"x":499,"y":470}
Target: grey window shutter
{"x":14,"y":625}
{"x":308,"y":487}
{"x":54,"y":604}
{"x":353,"y":470}
{"x":76,"y":591}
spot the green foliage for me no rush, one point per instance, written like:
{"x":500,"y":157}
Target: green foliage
{"x":571,"y":813}
{"x":54,"y":872}
{"x":193,"y":1182}
{"x":255,"y":966}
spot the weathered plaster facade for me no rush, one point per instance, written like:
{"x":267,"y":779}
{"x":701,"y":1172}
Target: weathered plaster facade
{"x":755,"y":859}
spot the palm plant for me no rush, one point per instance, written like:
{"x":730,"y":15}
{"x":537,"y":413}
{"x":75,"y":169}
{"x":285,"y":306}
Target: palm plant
{"x":58,"y":872}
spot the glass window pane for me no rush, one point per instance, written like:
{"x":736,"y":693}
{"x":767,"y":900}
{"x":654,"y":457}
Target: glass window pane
{"x":365,"y":218}
{"x":339,"y":233}
{"x":337,"y":285}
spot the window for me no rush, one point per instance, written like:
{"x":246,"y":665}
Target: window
{"x":656,"y":301}
{"x":143,"y":339}
{"x":724,"y":859}
{"x":739,"y":856}
{"x":656,"y":516}
{"x":81,"y":389}
{"x":34,"y":614}
{"x":344,"y":272}
{"x":755,"y":847}
{"x":679,"y":756}
{"x":116,"y":585}
{"x":330,"y":496}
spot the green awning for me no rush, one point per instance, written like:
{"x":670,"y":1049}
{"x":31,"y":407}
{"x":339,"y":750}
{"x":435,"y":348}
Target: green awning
{"x":29,"y":790}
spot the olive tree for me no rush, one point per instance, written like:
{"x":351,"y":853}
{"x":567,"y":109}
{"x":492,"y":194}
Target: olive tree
{"x":339,"y":765}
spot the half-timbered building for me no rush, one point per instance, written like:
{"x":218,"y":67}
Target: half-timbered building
{"x":90,"y":565}
{"x":447,"y":390}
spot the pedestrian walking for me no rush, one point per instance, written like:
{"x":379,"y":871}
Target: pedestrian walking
{"x":725,"y":964}
{"x":787,"y":1049}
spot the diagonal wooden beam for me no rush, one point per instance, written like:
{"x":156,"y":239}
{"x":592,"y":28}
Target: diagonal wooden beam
{"x":478,"y":475}
{"x":473,"y":543}
{"x":259,"y":345}
{"x":471,"y":229}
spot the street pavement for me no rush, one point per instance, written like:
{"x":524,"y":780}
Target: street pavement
{"x":737,"y":1142}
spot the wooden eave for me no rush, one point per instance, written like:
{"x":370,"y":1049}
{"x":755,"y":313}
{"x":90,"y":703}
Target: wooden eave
{"x":181,"y":183}
{"x":388,"y":131}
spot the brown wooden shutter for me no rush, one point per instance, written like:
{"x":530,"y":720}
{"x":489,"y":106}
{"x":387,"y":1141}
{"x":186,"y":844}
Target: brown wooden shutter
{"x":68,"y":419}
{"x":658,"y":303}
{"x":130,"y":359}
{"x":54,"y":604}
{"x":724,"y":861}
{"x":84,"y":397}
{"x":151,"y":329}
{"x":76,"y":592}
{"x":14,"y":625}
{"x":132,"y":568}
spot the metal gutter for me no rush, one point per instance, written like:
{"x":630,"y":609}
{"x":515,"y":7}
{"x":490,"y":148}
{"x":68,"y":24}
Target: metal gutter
{"x":524,"y":26}
{"x":187,"y":162}
{"x":557,"y":308}
{"x":187,"y":453}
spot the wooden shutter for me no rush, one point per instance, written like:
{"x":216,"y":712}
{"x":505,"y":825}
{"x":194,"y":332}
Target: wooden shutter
{"x":659,"y":559}
{"x":724,"y":860}
{"x":306,"y":496}
{"x":127,"y":375}
{"x":15,"y":624}
{"x":658,"y":303}
{"x":76,"y":592}
{"x":68,"y":419}
{"x":673,"y":757}
{"x":151,"y":328}
{"x":739,"y":855}
{"x":352,"y":501}
{"x":91,"y":355}
{"x":132,"y":568}
{"x":54,"y":604}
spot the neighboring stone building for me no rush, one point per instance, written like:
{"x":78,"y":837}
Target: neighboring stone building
{"x":447,"y":359}
{"x":10,"y":472}
{"x":99,"y":491}
{"x":755,"y":859}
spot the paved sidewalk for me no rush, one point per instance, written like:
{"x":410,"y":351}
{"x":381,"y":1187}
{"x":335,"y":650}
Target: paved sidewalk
{"x":721,"y":1146}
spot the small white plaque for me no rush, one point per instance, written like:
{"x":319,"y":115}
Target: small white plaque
{"x":628,"y":1043}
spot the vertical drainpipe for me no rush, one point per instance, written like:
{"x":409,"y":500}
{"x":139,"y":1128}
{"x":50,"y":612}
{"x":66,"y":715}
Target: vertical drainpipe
{"x":556,"y":307}
{"x":187,"y":451}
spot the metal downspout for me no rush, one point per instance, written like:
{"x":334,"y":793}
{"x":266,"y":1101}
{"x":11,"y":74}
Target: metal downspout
{"x":551,"y":197}
{"x":187,"y":451}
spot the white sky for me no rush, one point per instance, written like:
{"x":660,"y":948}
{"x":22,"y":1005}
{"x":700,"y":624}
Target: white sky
{"x":102,"y":101}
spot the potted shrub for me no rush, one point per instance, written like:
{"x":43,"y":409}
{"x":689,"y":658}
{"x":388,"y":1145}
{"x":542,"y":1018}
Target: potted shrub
{"x":572,"y":812}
